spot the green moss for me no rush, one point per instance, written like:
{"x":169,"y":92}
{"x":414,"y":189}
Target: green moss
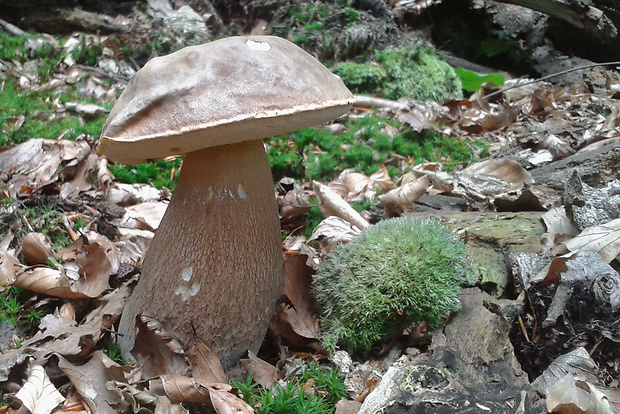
{"x":398,"y":272}
{"x":16,"y":102}
{"x":403,"y":73}
{"x":157,"y":174}
{"x":316,"y":154}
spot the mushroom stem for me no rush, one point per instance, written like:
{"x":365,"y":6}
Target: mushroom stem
{"x":215,"y":262}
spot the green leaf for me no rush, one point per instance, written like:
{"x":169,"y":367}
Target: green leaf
{"x":472,"y":81}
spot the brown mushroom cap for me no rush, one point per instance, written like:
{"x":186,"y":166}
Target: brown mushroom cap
{"x":250,"y":87}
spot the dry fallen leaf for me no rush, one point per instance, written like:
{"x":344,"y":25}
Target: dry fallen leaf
{"x":401,"y":199}
{"x":90,"y":380}
{"x":184,"y":389}
{"x":156,"y":351}
{"x":502,"y":169}
{"x":262,"y":372}
{"x":332,"y":231}
{"x":204,"y":362}
{"x":570,"y":395}
{"x":333,"y":205}
{"x":38,"y":393}
{"x":36,"y":248}
{"x":604,"y":239}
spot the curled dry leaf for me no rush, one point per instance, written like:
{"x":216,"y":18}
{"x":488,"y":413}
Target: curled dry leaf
{"x":382,"y":180}
{"x":505,"y":170}
{"x":204,"y":362}
{"x":36,"y":162}
{"x":9,"y":269}
{"x":297,"y":323}
{"x":183,"y":389}
{"x":331,"y":231}
{"x":575,"y":363}
{"x":604,"y":239}
{"x":359,"y":187}
{"x":144,"y":216}
{"x":128,"y":194}
{"x":262,"y":372}
{"x":156,"y":351}
{"x":401,"y":199}
{"x":36,"y":248}
{"x":293,"y":204}
{"x":570,"y":395}
{"x":38,"y":393}
{"x":90,"y":380}
{"x":333,"y":205}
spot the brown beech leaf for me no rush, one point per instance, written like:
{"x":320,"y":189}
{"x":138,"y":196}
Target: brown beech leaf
{"x":293,"y":204}
{"x":382,"y":180}
{"x":156,"y":351}
{"x":604,"y":239}
{"x":144,"y":216}
{"x":80,"y":182}
{"x":224,"y":402}
{"x":35,"y":163}
{"x":297,"y":277}
{"x":333,"y":205}
{"x":111,"y":307}
{"x":36,"y":248}
{"x":47,"y":281}
{"x":401,"y":199}
{"x":204,"y":362}
{"x":38,"y":394}
{"x":262,"y":372}
{"x":331,"y":231}
{"x":90,"y":379}
{"x":359,"y":187}
{"x":184,"y":389}
{"x":9,"y":268}
{"x":505,"y":170}
{"x":287,"y":324}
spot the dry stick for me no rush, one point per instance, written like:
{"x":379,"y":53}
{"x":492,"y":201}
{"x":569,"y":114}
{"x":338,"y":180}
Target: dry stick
{"x":564,"y":72}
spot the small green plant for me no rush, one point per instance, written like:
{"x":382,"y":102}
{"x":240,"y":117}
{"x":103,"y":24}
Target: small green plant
{"x":398,"y":272}
{"x":12,"y":309}
{"x":472,"y":81}
{"x":314,"y":390}
{"x":10,"y":306}
{"x":32,"y":318}
{"x":112,"y":350}
{"x":405,"y":72}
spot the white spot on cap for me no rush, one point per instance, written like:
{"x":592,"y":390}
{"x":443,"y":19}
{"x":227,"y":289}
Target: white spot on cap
{"x":186,"y":274}
{"x":241,"y":192}
{"x":260,"y":46}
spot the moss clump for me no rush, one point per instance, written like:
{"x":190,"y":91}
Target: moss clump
{"x":403,"y":73}
{"x":395,"y":273}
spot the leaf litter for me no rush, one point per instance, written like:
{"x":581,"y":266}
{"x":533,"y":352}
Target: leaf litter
{"x":527,"y":127}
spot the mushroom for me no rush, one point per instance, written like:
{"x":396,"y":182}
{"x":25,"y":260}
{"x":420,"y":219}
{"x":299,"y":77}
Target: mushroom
{"x":214,"y":265}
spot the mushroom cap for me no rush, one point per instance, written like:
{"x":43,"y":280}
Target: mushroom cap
{"x":230,"y":90}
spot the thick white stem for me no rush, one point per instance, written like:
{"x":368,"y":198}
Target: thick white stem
{"x":215,"y":262}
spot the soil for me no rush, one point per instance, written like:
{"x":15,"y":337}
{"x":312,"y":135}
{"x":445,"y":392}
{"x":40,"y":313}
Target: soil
{"x":597,"y":329}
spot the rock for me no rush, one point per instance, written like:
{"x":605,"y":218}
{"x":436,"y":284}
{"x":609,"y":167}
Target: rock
{"x":588,"y":206}
{"x":186,"y":26}
{"x":490,"y":238}
{"x":471,"y":369}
